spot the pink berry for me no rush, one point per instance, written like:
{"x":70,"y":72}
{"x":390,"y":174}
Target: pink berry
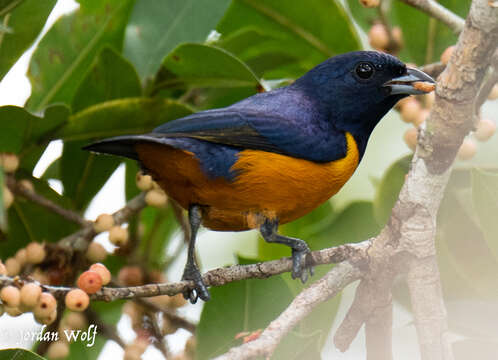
{"x":77,"y":300}
{"x":103,"y":272}
{"x":90,"y":282}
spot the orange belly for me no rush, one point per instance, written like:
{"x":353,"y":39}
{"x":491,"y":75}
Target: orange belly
{"x":267,"y":184}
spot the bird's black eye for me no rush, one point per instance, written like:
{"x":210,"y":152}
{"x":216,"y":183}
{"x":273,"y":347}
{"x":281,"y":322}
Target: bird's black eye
{"x":364,"y":70}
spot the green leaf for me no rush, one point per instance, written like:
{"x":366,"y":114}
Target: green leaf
{"x":2,"y":209}
{"x":364,"y":17}
{"x":7,"y":6}
{"x":485,"y":201}
{"x":131,"y":189}
{"x":52,"y":171}
{"x":64,"y":55}
{"x":389,"y":188}
{"x":14,"y":122}
{"x":240,"y":306}
{"x":121,"y":117}
{"x":82,"y":173}
{"x":353,"y":224}
{"x":41,"y":133}
{"x":19,"y":354}
{"x":468,"y":268}
{"x":25,"y":22}
{"x":159,"y":225}
{"x":197,"y":65}
{"x":424,"y":38}
{"x":21,"y":129}
{"x":111,"y":77}
{"x":28,"y":221}
{"x":156,"y":27}
{"x":310,"y":31}
{"x":307,"y":228}
{"x":322,"y":228}
{"x":249,"y":44}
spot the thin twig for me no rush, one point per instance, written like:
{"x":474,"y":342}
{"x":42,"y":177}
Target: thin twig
{"x":159,"y":342}
{"x":325,"y":288}
{"x":439,"y":12}
{"x":175,"y":319}
{"x":488,"y":85}
{"x":109,"y":331}
{"x":25,"y":192}
{"x":216,"y":277}
{"x":79,"y":240}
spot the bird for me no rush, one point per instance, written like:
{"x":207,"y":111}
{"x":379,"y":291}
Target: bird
{"x":275,"y":156}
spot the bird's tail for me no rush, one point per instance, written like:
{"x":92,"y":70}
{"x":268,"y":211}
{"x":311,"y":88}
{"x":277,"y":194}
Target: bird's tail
{"x":120,"y":145}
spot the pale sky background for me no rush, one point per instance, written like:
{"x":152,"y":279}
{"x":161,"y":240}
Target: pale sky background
{"x":15,"y":89}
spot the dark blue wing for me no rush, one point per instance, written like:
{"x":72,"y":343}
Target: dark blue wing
{"x":282,"y":121}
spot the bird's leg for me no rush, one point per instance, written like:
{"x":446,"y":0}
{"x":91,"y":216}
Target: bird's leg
{"x":299,"y":248}
{"x":191,"y":271}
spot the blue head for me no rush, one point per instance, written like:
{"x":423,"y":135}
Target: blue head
{"x":357,"y":89}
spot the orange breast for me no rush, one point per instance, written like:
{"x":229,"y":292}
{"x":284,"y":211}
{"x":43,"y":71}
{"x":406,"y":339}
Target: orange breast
{"x":267,"y":184}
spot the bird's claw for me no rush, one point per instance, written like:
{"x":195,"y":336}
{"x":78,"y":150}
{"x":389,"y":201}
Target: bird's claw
{"x":200,"y":290}
{"x":299,"y":269}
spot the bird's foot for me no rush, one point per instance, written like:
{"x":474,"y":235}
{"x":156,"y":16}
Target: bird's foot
{"x":200,"y":290}
{"x":299,"y":269}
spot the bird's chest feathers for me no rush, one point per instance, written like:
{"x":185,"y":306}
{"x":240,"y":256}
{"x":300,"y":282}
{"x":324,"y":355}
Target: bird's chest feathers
{"x":289,"y":186}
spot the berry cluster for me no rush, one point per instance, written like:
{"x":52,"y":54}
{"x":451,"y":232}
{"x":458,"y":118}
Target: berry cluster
{"x":9,"y":163}
{"x":28,"y":297}
{"x":71,"y":321}
{"x":154,"y":196}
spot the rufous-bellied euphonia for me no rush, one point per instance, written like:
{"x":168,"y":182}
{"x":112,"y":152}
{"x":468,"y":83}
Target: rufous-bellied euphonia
{"x":275,"y":156}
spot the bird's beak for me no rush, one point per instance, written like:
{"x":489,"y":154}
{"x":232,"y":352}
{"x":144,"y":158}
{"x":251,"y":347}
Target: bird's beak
{"x":414,"y":82}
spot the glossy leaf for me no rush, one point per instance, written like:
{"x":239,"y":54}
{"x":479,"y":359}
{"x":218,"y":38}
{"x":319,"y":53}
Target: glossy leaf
{"x":41,"y":133}
{"x":82,"y":173}
{"x":389,"y":188}
{"x":251,"y":46}
{"x":14,"y":122}
{"x":485,"y":201}
{"x":22,"y":129}
{"x":25,"y":21}
{"x":19,"y":354}
{"x":240,"y":306}
{"x":156,"y":27}
{"x":197,"y":65}
{"x":310,"y":31}
{"x":121,"y":117}
{"x":111,"y":77}
{"x":64,"y":55}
